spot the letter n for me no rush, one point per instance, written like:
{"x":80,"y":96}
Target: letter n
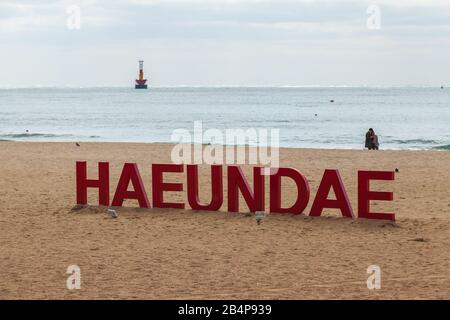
{"x":83,"y":183}
{"x":331,"y":179}
{"x":130,"y":172}
{"x":237,"y":181}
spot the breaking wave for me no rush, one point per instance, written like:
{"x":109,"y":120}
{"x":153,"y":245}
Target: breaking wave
{"x":24,"y":136}
{"x":415,"y":141}
{"x":446,"y":147}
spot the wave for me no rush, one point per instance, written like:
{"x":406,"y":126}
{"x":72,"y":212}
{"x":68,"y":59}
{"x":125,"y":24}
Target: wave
{"x":45,"y":137}
{"x":445,"y":147}
{"x":415,"y":141}
{"x":13,"y":136}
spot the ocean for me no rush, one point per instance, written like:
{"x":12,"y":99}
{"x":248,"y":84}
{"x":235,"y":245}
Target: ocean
{"x":402,"y":117}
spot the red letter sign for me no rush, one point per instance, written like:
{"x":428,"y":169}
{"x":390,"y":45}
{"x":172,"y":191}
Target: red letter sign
{"x":331,"y":178}
{"x":275,"y":191}
{"x":365,"y":195}
{"x":237,"y":181}
{"x":159,"y":186}
{"x":102,"y":183}
{"x":130,"y":172}
{"x":216,"y":188}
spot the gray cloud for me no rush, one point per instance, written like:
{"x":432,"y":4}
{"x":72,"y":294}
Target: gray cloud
{"x":199,"y":42}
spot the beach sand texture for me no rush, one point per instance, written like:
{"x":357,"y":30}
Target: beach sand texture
{"x":184,"y":254}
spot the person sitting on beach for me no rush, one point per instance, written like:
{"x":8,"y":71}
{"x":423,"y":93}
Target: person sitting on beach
{"x":375,"y":143}
{"x":368,"y":143}
{"x":371,"y":140}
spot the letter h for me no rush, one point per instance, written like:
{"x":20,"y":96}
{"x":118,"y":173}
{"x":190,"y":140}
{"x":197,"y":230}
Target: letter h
{"x":102,"y":183}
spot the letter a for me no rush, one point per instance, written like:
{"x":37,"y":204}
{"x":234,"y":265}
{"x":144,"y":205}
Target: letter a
{"x":130,"y":172}
{"x":331,"y":179}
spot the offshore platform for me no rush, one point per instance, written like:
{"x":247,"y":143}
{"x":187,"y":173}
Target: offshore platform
{"x":141,"y":82}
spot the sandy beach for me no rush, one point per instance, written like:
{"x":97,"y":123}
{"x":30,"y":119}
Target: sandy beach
{"x":185,"y":254}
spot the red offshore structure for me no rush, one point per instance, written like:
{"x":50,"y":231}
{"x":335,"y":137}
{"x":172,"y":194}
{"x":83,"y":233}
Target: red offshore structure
{"x":141,"y":82}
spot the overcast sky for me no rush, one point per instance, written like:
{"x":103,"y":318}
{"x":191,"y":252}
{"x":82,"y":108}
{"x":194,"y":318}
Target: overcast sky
{"x":225,"y":42}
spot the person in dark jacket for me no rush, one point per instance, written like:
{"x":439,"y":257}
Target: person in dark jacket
{"x":369,"y":144}
{"x":371,"y":140}
{"x":375,"y":143}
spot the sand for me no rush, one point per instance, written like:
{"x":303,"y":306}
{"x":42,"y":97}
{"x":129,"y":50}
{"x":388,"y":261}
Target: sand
{"x":184,"y":254}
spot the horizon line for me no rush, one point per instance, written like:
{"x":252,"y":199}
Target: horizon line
{"x":3,"y":87}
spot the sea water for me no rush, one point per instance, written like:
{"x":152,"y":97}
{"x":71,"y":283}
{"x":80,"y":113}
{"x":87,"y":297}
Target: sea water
{"x":402,"y":117}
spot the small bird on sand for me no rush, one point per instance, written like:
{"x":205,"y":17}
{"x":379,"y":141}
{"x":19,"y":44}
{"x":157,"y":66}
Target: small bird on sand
{"x":259,"y":215}
{"x":112,"y":213}
{"x":77,"y":144}
{"x":396,"y":170}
